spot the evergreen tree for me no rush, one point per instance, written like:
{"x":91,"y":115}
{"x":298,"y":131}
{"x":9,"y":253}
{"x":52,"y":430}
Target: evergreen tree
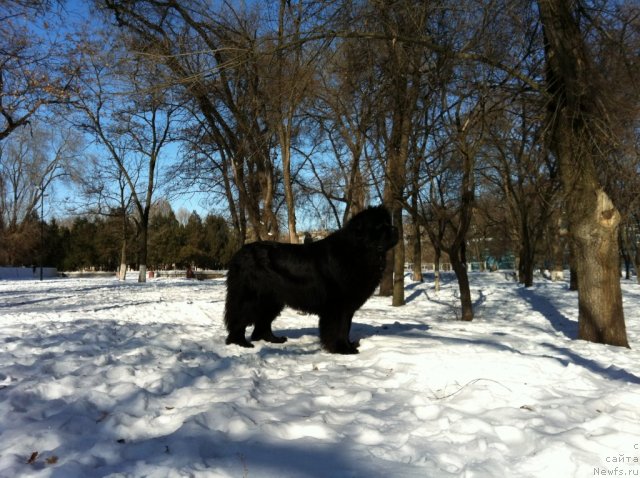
{"x":165,"y":239}
{"x":82,"y":247}
{"x":193,"y":249}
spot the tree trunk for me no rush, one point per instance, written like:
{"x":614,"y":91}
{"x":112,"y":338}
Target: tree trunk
{"x":386,"y":283}
{"x":122,"y":272}
{"x":625,"y":252}
{"x":627,"y":268}
{"x":403,"y":96}
{"x":285,"y":151}
{"x":417,"y":253}
{"x":557,"y":251}
{"x":460,"y":268}
{"x":526,"y":262}
{"x":142,"y":253}
{"x":577,"y":123}
{"x":398,"y":261}
{"x":600,"y":315}
{"x":573,"y":279}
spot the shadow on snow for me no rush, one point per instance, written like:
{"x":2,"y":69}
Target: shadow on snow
{"x":560,"y":322}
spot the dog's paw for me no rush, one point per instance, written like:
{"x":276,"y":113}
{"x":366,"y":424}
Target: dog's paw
{"x":241,"y":341}
{"x":277,"y":340}
{"x":268,"y":337}
{"x":343,"y":348}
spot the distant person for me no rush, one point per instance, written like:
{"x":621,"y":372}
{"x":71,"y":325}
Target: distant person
{"x":190,"y":273}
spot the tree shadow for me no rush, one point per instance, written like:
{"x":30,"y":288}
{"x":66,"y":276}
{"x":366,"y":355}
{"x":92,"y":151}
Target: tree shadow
{"x":415,"y":294}
{"x":610,"y":372}
{"x":396,"y":329}
{"x":567,"y":356}
{"x":560,"y":322}
{"x":453,"y":307}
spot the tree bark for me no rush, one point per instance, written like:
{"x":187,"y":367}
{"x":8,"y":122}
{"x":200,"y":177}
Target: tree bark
{"x":601,"y":317}
{"x":577,"y":119}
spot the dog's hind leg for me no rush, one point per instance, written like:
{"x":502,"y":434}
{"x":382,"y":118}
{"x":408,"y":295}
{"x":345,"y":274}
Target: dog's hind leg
{"x":265,"y":315}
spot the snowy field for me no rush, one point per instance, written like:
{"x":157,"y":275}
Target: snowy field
{"x":100,"y":378}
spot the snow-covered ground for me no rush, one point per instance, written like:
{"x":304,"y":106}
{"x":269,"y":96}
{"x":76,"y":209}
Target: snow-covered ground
{"x":100,"y":378}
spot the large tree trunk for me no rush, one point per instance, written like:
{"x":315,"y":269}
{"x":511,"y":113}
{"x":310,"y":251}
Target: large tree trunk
{"x":578,"y":128}
{"x":601,"y":317}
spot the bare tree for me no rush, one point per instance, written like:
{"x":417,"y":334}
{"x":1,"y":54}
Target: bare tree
{"x":289,"y":88}
{"x":217,"y":61}
{"x":344,"y":110}
{"x":525,"y":176}
{"x":105,"y":192}
{"x":132,"y":124}
{"x":402,"y":65}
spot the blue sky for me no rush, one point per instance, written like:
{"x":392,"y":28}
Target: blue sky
{"x":62,"y":199}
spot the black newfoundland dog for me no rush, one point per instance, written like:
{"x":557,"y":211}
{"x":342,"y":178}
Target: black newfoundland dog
{"x":332,"y":278}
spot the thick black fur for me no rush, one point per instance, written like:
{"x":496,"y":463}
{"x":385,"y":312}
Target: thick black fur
{"x":332,"y":278}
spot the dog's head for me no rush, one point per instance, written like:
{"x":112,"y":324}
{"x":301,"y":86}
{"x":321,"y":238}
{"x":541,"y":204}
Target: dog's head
{"x":374,"y":227}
